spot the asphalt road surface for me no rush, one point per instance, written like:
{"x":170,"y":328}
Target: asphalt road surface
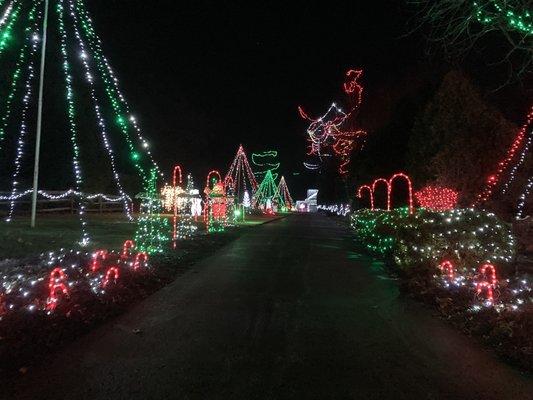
{"x":288,"y":311}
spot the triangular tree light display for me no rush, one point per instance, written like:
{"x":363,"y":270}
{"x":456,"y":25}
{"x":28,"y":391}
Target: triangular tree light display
{"x":507,"y":169}
{"x":267,"y":197}
{"x":284,"y":194}
{"x":241,"y":176}
{"x":102,"y":139}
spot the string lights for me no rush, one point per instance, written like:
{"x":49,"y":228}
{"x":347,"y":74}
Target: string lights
{"x":265,"y":161}
{"x":517,"y":152}
{"x":77,"y":43}
{"x":437,"y":198}
{"x":241,"y":175}
{"x":326,"y":133}
{"x":215,"y":205}
{"x":284,"y":194}
{"x":267,"y":197}
{"x":59,"y":278}
{"x":389,"y":183}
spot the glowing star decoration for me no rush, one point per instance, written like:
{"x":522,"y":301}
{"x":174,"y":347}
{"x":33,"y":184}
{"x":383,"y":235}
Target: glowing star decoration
{"x":73,"y":38}
{"x":241,"y":176}
{"x":283,"y":191}
{"x":334,"y":132}
{"x":389,"y":184}
{"x":215,"y":205}
{"x":437,"y":198}
{"x":57,"y":286}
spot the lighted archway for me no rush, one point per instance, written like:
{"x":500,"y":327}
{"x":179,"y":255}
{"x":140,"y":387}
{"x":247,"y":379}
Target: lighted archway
{"x":370,"y":193}
{"x":409,"y":186}
{"x":213,"y":172}
{"x":375,"y":184}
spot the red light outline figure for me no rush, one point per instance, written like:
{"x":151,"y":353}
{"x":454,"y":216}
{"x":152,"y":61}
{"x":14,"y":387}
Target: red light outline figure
{"x":57,"y":282}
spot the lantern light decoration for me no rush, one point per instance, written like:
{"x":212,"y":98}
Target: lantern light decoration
{"x":389,"y":184}
{"x":326,"y":133}
{"x":242,"y":176}
{"x":215,"y":203}
{"x":437,"y":198}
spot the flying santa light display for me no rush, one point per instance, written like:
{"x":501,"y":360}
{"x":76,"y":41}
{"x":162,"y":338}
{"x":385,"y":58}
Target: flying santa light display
{"x":335,"y":132}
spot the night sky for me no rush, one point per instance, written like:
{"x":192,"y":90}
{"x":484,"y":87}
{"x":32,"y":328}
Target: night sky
{"x":204,"y":76}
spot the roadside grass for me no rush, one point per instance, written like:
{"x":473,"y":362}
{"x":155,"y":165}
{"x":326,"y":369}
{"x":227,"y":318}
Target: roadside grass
{"x":19,"y":240}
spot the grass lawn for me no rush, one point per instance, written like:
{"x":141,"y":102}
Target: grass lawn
{"x":54,"y":232}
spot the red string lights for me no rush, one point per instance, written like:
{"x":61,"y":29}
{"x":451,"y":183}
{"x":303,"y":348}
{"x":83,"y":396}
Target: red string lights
{"x":389,"y":183}
{"x":112,"y":273}
{"x":494,"y":178}
{"x":140,"y":259}
{"x":98,"y":256}
{"x":437,"y":198}
{"x":325,"y":132}
{"x":370,"y":193}
{"x":409,"y":187}
{"x":487,"y":282}
{"x":56,"y":285}
{"x":241,"y":175}
{"x":127,"y":247}
{"x":447,"y":268}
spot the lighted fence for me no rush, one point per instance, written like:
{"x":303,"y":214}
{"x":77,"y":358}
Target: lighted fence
{"x":62,"y":202}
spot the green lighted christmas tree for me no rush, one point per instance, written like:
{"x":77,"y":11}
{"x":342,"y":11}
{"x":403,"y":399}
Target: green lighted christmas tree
{"x":93,"y":102}
{"x":153,"y":229}
{"x":267,"y":196}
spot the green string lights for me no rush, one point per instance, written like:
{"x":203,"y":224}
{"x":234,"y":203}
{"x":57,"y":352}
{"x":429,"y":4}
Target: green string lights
{"x":153,"y":230}
{"x":466,"y":236}
{"x":495,"y":12}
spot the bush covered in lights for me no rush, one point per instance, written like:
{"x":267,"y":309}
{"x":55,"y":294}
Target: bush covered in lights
{"x":427,"y":237}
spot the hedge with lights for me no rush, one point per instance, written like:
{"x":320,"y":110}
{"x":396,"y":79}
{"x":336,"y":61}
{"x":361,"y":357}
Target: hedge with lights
{"x":425,"y":238}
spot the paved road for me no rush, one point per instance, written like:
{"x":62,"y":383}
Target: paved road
{"x":288,"y":311}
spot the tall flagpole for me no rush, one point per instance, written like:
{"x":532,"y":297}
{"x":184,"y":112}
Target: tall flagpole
{"x":39,"y":119}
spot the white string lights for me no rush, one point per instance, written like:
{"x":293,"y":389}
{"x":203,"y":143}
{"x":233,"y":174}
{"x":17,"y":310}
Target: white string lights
{"x":76,"y":38}
{"x":33,"y":37}
{"x":72,"y":122}
{"x":96,"y":104}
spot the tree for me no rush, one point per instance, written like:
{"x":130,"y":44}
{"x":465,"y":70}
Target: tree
{"x":456,"y":138}
{"x":503,"y":28}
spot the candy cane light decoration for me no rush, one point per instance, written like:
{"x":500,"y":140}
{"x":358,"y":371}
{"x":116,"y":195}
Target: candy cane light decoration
{"x":487,"y":281}
{"x":370,"y":193}
{"x":403,"y":176}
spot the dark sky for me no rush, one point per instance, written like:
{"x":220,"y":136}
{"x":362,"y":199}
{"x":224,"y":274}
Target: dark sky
{"x":204,"y":76}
